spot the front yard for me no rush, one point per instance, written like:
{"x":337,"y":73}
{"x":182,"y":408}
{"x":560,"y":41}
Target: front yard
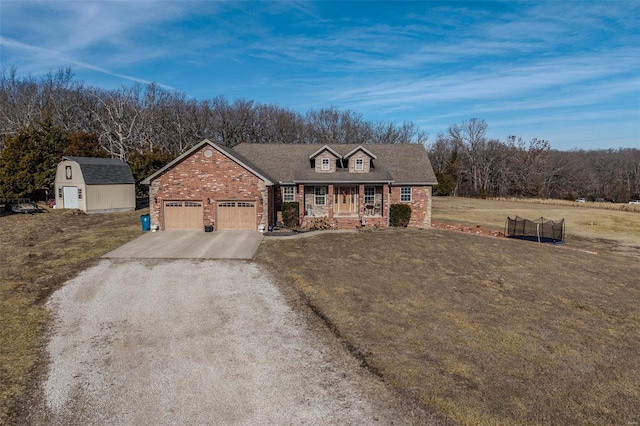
{"x":486,"y":330}
{"x":38,"y":253}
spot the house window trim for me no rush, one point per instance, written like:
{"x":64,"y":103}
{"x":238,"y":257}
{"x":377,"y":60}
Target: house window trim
{"x":403,"y":196}
{"x":325,"y":164}
{"x":316,"y":195}
{"x":288,"y":191}
{"x":359,"y":166}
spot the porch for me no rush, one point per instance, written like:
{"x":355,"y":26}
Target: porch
{"x":345,"y":206}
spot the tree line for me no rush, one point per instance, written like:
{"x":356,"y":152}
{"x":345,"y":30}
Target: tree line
{"x":43,"y":119}
{"x":467,"y":163}
{"x":148,"y":118}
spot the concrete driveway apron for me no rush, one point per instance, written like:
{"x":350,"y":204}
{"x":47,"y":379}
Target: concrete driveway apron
{"x":190,"y":245}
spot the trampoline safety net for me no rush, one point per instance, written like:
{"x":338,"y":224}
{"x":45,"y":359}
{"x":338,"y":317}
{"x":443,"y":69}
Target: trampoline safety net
{"x":541,"y":230}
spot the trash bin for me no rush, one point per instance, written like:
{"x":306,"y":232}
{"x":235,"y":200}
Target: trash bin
{"x":146,"y":222}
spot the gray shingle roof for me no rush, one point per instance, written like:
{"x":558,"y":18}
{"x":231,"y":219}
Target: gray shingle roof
{"x":103,"y":171}
{"x":288,"y":163}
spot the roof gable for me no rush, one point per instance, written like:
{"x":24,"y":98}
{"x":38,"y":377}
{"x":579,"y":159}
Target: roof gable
{"x":227,"y":152}
{"x":103,"y":171}
{"x":360,"y":148}
{"x":322,"y":149}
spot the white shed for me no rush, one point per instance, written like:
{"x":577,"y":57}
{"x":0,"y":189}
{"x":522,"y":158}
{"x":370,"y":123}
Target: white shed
{"x":95,"y":185}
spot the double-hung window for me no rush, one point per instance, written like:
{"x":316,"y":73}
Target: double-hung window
{"x":405,"y":193}
{"x":288,"y":193}
{"x":369,"y":195}
{"x":325,"y":164}
{"x":320,"y":195}
{"x":359,"y":164}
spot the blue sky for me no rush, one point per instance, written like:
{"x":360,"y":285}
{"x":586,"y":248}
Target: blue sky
{"x":565,"y":71}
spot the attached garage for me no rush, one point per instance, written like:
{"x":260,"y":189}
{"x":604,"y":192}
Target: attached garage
{"x":183,"y":215}
{"x":236,"y":215}
{"x":209,"y":187}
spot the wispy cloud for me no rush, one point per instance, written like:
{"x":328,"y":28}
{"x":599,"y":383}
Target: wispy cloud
{"x":432,"y":63}
{"x":55,"y":33}
{"x":70,"y":61}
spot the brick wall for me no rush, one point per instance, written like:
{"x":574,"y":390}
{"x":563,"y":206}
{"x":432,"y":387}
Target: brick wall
{"x":420,"y":205}
{"x":201,"y":178}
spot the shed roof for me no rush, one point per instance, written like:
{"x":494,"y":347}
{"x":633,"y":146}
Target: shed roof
{"x":103,"y":171}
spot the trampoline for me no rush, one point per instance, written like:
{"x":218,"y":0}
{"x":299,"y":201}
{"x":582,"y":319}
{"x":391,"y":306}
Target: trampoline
{"x":541,"y":230}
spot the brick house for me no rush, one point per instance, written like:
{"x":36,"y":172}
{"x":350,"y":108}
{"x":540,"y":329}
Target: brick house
{"x":244,"y":187}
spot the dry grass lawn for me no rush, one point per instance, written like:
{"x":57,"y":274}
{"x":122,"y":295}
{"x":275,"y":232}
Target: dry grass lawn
{"x":37,"y":254}
{"x":598,"y":226}
{"x":486,"y":330}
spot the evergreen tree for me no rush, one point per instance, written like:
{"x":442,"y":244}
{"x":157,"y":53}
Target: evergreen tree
{"x":146,"y":163}
{"x":81,"y":144}
{"x":29,"y":160}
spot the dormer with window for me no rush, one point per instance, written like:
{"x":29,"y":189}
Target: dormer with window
{"x":360,"y":160}
{"x":324,"y":160}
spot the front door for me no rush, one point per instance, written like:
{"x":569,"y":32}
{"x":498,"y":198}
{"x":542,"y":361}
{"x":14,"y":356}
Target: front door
{"x":346,"y":200}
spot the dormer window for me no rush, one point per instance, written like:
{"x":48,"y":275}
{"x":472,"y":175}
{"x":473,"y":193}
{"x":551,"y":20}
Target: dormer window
{"x":325,"y":164}
{"x":361,"y":161}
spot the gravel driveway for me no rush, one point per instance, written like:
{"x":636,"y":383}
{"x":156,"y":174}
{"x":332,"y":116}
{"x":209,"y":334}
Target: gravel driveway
{"x":198,"y":342}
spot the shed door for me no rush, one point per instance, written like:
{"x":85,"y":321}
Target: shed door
{"x":183,"y":215}
{"x":70,"y":197}
{"x":236,"y":215}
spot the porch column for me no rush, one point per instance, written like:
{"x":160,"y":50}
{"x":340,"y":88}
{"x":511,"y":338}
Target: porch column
{"x":300,"y":199}
{"x":361,"y":200}
{"x":330,"y":205}
{"x":386,"y":196}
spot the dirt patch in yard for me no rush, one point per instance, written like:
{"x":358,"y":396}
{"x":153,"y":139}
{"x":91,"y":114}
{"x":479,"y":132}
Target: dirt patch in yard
{"x":477,"y":230}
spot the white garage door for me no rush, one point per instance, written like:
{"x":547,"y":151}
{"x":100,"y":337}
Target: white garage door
{"x":236,"y":215}
{"x":183,"y":215}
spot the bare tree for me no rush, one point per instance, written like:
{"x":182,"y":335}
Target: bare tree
{"x":118,"y":116}
{"x":278,"y":125}
{"x":21,"y":102}
{"x":469,"y":136}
